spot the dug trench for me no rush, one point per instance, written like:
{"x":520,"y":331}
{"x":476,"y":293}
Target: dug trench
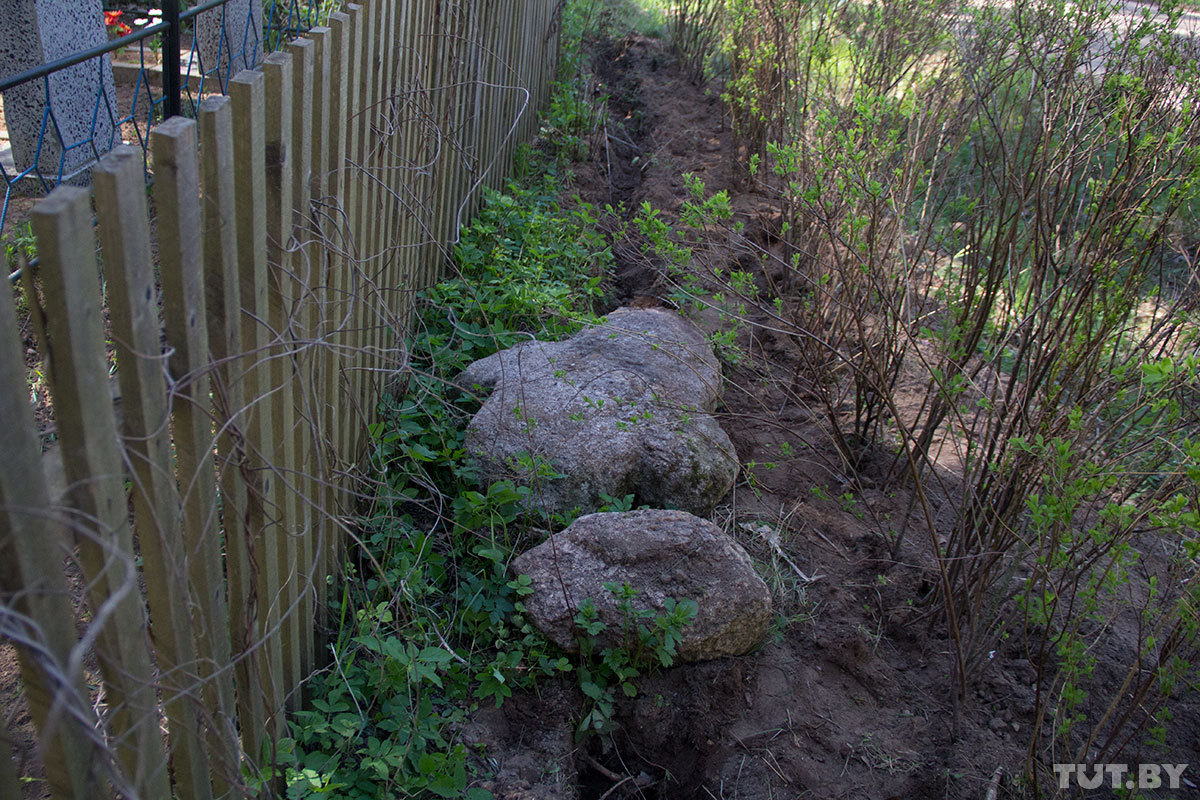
{"x":850,"y":695}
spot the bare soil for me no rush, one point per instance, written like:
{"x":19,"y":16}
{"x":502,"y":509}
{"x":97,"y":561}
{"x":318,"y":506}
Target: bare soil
{"x":852,"y":697}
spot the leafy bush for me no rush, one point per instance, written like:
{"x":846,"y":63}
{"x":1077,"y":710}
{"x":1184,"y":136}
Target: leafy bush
{"x":993,"y":198}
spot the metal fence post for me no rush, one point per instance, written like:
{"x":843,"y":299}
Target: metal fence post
{"x":172,"y":90}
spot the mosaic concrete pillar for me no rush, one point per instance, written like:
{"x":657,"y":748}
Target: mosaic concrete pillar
{"x":75,"y":123}
{"x":230,"y":39}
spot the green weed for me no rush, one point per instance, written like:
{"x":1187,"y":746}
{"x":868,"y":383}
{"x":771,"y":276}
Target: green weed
{"x":649,"y":641}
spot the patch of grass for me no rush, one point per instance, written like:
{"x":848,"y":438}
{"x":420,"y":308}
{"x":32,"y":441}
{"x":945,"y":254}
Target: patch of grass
{"x":19,"y":247}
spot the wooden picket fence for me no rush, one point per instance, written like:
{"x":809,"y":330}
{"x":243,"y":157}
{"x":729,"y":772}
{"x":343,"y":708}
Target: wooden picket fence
{"x":255,"y":319}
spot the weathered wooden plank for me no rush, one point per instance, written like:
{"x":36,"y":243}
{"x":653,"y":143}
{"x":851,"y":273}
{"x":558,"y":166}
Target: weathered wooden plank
{"x":299,"y":327}
{"x":529,"y":34}
{"x":388,"y":170}
{"x":511,"y":98}
{"x":185,"y":314}
{"x":223,"y":304}
{"x":407,"y":218}
{"x":396,"y":299}
{"x":302,"y":52}
{"x":308,"y":263}
{"x":350,"y":268}
{"x":547,"y":63}
{"x":322,"y":122}
{"x":303,"y":328}
{"x":460,"y":183}
{"x":334,"y":333}
{"x":32,"y":543}
{"x":133,"y":311}
{"x":91,"y":450}
{"x":437,"y":48}
{"x":365,"y":297}
{"x":476,"y":76}
{"x":450,"y":41}
{"x":425,"y":180}
{"x":400,"y":244}
{"x":377,"y":198}
{"x":279,"y":553}
{"x":324,"y":379}
{"x":247,"y":91}
{"x":494,"y":96}
{"x":223,"y":311}
{"x":472,"y":90}
{"x":352,"y":403}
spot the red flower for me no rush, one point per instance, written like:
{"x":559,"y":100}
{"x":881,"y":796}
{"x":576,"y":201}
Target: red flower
{"x":112,"y":21}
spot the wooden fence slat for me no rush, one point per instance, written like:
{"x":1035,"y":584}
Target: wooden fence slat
{"x":324,"y":380}
{"x":486,"y":94}
{"x":435,"y":47}
{"x":513,"y":100}
{"x":223,"y":304}
{"x":389,"y":303}
{"x":460,"y":182}
{"x":407,"y":214}
{"x":307,"y":263}
{"x":370,"y":189}
{"x":381,"y":146}
{"x":528,"y":42}
{"x":409,"y":76}
{"x":424,"y":180}
{"x":483,"y":75}
{"x":185,"y":315}
{"x":321,"y":122}
{"x":396,"y":299}
{"x":87,"y":430}
{"x":351,"y":359}
{"x":133,"y":310}
{"x":352,"y":412}
{"x":473,"y":85}
{"x":450,"y":91}
{"x":31,"y":574}
{"x":399,"y":12}
{"x":363,"y":265}
{"x":350,"y":268}
{"x":280,"y":561}
{"x":305,"y":432}
{"x":247,"y":91}
{"x":336,"y":310}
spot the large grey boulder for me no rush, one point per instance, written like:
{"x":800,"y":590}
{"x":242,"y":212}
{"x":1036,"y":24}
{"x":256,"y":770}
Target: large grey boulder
{"x":660,"y":554}
{"x":620,"y":408}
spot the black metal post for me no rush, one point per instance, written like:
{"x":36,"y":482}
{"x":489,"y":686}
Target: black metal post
{"x":172,"y":90}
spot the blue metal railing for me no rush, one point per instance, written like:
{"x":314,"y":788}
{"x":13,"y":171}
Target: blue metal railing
{"x":183,"y":83}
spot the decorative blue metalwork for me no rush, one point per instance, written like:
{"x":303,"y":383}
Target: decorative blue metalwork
{"x":240,"y":43}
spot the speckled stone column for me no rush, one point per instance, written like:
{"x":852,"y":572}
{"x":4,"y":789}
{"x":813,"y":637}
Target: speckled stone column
{"x":82,"y":101}
{"x":231,"y":41}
